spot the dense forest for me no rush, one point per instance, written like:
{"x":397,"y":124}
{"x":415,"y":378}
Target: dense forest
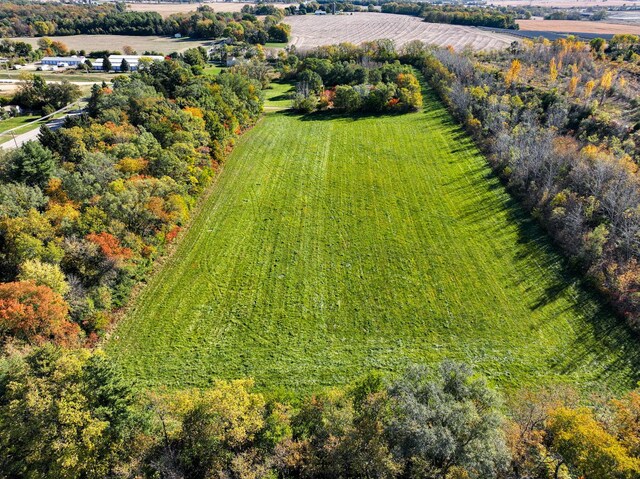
{"x":34,"y":19}
{"x":23,"y":18}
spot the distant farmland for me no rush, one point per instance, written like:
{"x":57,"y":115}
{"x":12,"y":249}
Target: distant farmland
{"x":167,"y":9}
{"x":90,"y":43}
{"x":309,"y":31}
{"x":332,"y":245}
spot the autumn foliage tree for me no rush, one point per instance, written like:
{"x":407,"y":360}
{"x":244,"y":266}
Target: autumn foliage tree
{"x":110,"y":246}
{"x":514,"y":72}
{"x":551,"y":435}
{"x":35,"y":314}
{"x":553,"y":70}
{"x":586,"y":447}
{"x":66,"y":414}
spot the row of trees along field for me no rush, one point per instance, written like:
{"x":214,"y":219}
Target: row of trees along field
{"x":21,"y":52}
{"x":325,"y":5}
{"x":84,"y":211}
{"x":559,"y":123}
{"x":32,"y":19}
{"x":455,"y":14}
{"x":70,"y":414}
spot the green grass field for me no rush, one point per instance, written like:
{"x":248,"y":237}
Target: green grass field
{"x":331,"y":246}
{"x":275,"y":45}
{"x":12,"y":127}
{"x":278,"y":96}
{"x":212,"y":70}
{"x":16,"y":121}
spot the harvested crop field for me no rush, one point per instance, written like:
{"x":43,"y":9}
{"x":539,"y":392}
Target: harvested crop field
{"x":167,"y":9}
{"x":90,"y":43}
{"x":333,"y":245}
{"x":309,"y":31}
{"x":575,"y":26}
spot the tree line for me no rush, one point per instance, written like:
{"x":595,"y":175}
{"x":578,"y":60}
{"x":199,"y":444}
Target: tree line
{"x":70,"y":413}
{"x":324,"y":5}
{"x":23,"y":18}
{"x":240,"y":26}
{"x":86,"y":210}
{"x":542,"y":113}
{"x":455,"y":14}
{"x":33,"y":19}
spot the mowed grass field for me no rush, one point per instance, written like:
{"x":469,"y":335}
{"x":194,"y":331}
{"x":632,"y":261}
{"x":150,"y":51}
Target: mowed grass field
{"x":331,"y":246}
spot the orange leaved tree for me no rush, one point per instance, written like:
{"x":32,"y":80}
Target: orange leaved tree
{"x":35,"y":314}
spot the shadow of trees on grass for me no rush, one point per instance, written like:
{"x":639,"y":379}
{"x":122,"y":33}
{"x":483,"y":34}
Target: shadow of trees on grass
{"x":608,"y":340}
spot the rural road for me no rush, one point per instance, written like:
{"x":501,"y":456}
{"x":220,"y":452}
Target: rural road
{"x":19,"y":140}
{"x":14,"y":81}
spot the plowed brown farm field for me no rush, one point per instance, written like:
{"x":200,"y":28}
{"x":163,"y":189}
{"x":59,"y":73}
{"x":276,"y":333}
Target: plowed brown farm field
{"x":311,"y":31}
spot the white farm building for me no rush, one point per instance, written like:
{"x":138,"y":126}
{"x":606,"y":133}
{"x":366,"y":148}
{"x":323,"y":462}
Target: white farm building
{"x":63,"y":61}
{"x":132,"y":60}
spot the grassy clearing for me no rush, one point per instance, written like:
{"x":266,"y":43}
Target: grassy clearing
{"x":16,"y":121}
{"x":7,"y":136}
{"x":331,"y":246}
{"x":212,"y":70}
{"x":275,"y":45}
{"x":278,"y":96}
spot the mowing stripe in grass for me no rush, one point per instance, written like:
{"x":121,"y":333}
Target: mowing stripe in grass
{"x":331,"y":246}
